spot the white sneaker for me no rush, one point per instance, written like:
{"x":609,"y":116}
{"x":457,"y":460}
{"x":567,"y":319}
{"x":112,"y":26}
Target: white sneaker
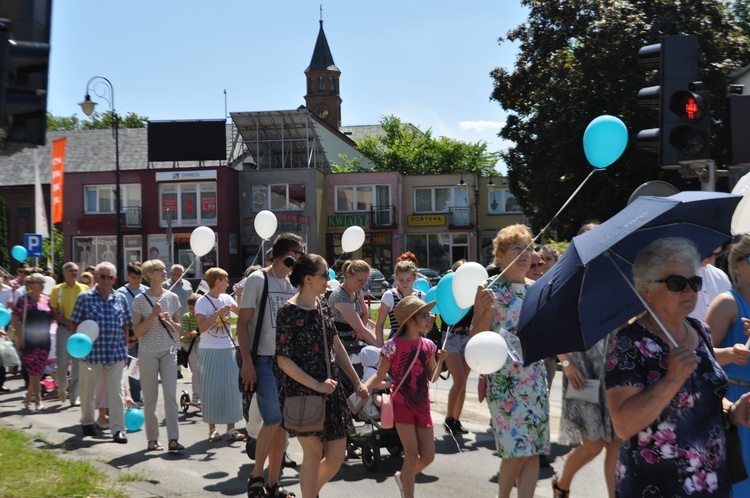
{"x":196,"y":399}
{"x":397,"y":478}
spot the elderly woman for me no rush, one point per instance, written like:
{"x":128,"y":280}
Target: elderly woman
{"x":349,"y":308}
{"x":221,"y":401}
{"x":156,"y":322}
{"x":32,"y":317}
{"x":300,"y":325}
{"x":667,"y":401}
{"x":516,"y":395}
{"x":727,"y":318}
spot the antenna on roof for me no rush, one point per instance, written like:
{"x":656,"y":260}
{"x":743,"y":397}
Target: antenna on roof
{"x":226,"y":113}
{"x":321,"y":13}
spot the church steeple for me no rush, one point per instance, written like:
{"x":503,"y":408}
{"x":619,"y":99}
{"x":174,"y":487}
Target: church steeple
{"x":322,"y":97}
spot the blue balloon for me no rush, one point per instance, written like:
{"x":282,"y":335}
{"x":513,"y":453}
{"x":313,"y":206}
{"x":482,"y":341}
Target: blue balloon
{"x":19,"y":253}
{"x":422,"y":284}
{"x":79,"y":345}
{"x":331,"y":274}
{"x":133,"y":419}
{"x":431,"y":296}
{"x":604,"y":140}
{"x":449,"y":310}
{"x":4,"y":317}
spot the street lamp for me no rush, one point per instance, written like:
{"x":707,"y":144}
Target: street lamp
{"x":462,"y":184}
{"x":88,"y":107}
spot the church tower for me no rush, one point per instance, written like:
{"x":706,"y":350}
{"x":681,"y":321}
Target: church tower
{"x":322,"y":75}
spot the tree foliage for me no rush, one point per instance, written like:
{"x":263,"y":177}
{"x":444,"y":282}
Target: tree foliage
{"x":404,"y":148}
{"x":96,"y":121}
{"x":577,"y":60}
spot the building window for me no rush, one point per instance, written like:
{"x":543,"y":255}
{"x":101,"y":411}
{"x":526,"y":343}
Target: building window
{"x":440,"y":199}
{"x":101,"y":198}
{"x":279,"y":197}
{"x":501,"y":201}
{"x":333,"y":86}
{"x":188,"y":204}
{"x":90,"y":251}
{"x":321,"y":84}
{"x":438,"y":250}
{"x":361,"y":198}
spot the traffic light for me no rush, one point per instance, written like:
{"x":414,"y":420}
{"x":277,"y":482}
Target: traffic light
{"x":683,"y":108}
{"x":23,"y":91}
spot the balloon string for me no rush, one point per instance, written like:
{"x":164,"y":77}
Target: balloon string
{"x":177,"y":281}
{"x":502,"y":272}
{"x":337,"y":260}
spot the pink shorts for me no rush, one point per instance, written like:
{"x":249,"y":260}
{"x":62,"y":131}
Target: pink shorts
{"x":403,"y":414}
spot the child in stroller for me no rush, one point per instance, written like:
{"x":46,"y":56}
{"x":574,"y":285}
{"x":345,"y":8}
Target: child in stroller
{"x":369,"y":410}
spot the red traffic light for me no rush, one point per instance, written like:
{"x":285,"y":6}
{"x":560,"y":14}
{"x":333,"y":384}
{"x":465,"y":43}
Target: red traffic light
{"x":689,"y":106}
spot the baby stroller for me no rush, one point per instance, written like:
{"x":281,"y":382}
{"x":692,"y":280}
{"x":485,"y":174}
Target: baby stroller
{"x":368,"y":435}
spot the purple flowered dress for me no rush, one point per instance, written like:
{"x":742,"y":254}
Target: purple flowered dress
{"x":36,"y":332}
{"x":682,"y":453}
{"x":517,"y":395}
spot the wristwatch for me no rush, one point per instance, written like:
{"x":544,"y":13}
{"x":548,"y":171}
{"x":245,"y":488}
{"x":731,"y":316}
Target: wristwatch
{"x":565,"y":363}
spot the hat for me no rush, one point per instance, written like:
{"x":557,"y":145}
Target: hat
{"x":407,"y":308}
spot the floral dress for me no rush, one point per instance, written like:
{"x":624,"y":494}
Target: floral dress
{"x":36,"y":332}
{"x":682,"y":452}
{"x":516,"y":395}
{"x":300,"y":338}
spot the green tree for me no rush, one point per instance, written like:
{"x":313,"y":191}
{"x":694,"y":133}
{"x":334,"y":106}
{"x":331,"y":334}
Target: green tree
{"x":96,"y":121}
{"x":577,"y":60}
{"x":404,"y":148}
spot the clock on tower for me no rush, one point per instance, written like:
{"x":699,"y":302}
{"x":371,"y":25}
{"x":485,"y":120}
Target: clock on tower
{"x":321,"y":110}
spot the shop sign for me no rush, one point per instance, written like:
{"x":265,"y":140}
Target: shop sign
{"x":346,"y":221}
{"x":427,"y":220}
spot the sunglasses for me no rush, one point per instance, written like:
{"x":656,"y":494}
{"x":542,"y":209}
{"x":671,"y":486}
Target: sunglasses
{"x":298,"y":253}
{"x":746,"y":256}
{"x":427,"y":316}
{"x":677,"y":283}
{"x":107,"y":277}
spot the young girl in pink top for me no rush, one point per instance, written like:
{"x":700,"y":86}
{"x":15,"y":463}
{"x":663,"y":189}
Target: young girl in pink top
{"x":411,"y":404}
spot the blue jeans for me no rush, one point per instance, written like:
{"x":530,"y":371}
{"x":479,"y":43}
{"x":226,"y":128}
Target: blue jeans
{"x":266,"y":391}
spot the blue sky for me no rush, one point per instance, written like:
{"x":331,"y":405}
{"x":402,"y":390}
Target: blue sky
{"x":426,"y":62}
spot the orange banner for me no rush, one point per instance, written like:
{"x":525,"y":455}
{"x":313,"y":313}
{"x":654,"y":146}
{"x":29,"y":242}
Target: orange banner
{"x":58,"y":168}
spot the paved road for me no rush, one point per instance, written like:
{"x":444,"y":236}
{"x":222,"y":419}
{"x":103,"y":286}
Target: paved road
{"x":206,"y":469}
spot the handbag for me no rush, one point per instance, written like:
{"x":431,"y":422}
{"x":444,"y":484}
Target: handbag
{"x":386,"y":403}
{"x":589,"y":393}
{"x":735,"y":461}
{"x":306,"y":413}
{"x":8,"y":354}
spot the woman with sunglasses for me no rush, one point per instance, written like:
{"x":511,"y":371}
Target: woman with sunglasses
{"x":667,"y":400}
{"x":728,"y":317}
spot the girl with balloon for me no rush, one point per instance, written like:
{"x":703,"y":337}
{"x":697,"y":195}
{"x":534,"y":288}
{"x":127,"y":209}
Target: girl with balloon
{"x":516,"y":395}
{"x":32,"y":317}
{"x":404,"y":277}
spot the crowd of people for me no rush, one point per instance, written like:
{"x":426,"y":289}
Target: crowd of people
{"x":668,"y":385}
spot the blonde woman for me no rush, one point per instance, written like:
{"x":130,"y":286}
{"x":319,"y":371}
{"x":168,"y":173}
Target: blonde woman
{"x":405,"y":275}
{"x":349,"y":308}
{"x":156,"y":322}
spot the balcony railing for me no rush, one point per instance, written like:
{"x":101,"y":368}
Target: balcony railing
{"x":383,"y":216}
{"x":133,"y":217}
{"x":459,"y":217}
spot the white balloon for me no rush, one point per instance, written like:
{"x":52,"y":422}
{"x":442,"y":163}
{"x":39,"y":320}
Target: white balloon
{"x":202,"y":241}
{"x":486,"y":352}
{"x":89,"y":328}
{"x":465,"y":282}
{"x":352,"y":239}
{"x":741,"y":217}
{"x":334,"y":284}
{"x":265,"y":224}
{"x":49,"y":284}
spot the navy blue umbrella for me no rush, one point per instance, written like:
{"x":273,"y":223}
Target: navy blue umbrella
{"x":588,"y":293}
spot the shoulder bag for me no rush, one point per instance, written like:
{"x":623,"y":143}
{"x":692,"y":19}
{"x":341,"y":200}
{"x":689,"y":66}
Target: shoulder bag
{"x":386,"y":404}
{"x":306,"y":413}
{"x":169,"y":333}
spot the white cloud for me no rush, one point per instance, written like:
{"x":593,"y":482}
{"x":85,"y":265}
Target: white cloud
{"x":480,"y":126}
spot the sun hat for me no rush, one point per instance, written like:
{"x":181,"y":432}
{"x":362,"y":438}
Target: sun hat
{"x":409,"y":307}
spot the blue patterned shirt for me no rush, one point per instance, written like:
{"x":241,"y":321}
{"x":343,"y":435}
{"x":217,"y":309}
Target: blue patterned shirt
{"x":111,"y":315}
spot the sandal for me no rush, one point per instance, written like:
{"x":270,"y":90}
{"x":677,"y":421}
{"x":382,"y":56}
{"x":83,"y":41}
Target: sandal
{"x":235,"y":435}
{"x":214,"y":435}
{"x":174,"y":445}
{"x":254,"y":491}
{"x":557,"y":491}
{"x":278,"y":491}
{"x":154,"y":446}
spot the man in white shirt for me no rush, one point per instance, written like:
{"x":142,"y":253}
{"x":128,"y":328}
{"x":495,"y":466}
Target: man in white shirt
{"x":715,"y":282}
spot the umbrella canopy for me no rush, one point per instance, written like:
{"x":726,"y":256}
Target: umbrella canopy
{"x":584,"y":296}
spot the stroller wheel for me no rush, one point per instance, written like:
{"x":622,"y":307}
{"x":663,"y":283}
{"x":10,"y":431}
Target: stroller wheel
{"x":370,"y":455}
{"x":185,"y":402}
{"x":395,"y":450}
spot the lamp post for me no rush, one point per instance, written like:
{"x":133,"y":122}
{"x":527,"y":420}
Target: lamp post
{"x":88,"y":107}
{"x":463,"y":184}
